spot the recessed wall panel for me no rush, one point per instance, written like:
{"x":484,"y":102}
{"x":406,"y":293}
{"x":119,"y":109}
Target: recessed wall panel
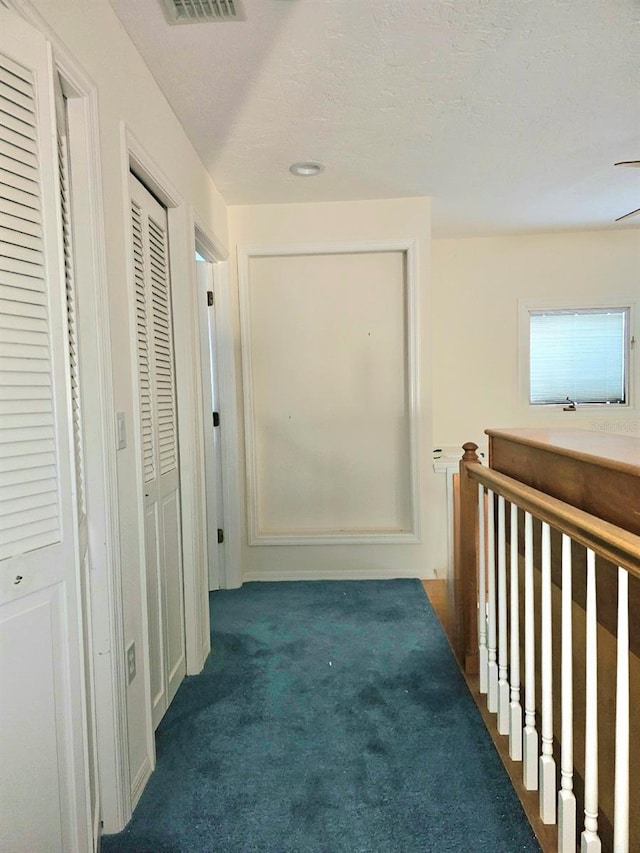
{"x":329,"y":400}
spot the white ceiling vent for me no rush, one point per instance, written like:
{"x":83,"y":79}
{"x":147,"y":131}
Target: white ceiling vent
{"x":202,"y":11}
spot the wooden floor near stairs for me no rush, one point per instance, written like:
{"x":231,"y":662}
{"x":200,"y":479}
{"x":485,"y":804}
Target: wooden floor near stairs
{"x":547,"y":836}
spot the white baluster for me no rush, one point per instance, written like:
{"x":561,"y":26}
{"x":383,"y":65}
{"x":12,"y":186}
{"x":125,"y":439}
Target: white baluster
{"x":621,"y":796}
{"x":503,"y":683}
{"x":530,"y":736}
{"x":566,"y":797}
{"x":547,"y":763}
{"x":515,"y":709}
{"x":492,"y":666}
{"x":589,"y":840}
{"x":482,"y":595}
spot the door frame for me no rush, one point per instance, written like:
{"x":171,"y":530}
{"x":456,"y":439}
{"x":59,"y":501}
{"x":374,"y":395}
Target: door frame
{"x":136,"y":159}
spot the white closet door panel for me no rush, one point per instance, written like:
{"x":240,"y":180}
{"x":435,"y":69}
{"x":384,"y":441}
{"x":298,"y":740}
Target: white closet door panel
{"x":159,"y":433}
{"x":173,"y":593}
{"x":43,"y":768}
{"x":155,"y":615}
{"x":29,"y":812}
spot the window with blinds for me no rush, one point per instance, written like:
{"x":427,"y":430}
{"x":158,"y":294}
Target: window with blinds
{"x":29,"y":509}
{"x":580,"y":355}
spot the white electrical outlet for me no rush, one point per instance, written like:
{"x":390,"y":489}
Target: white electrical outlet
{"x":131,"y":662}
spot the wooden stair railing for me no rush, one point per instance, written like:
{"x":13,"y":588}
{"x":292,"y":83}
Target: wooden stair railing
{"x":493,"y":625}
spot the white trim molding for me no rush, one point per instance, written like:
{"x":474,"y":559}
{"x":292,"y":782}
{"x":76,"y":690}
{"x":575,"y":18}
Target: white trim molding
{"x":376,"y":536}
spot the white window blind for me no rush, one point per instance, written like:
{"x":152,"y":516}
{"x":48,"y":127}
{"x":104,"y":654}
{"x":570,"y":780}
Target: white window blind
{"x":578,"y":354}
{"x":29,"y":508}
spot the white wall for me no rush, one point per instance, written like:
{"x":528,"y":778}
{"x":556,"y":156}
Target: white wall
{"x":272,"y":226}
{"x":477,"y":283}
{"x":91,"y":35}
{"x":476,"y":287}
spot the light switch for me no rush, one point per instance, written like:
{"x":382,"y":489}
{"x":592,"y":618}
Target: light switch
{"x":121,"y":429}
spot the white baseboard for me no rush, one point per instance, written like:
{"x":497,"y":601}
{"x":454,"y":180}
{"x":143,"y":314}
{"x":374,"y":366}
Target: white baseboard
{"x":336,"y":575}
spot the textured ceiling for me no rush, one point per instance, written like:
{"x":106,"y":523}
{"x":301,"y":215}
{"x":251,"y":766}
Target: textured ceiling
{"x":509,"y":113}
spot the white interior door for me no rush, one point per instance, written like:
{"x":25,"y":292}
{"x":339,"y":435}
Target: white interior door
{"x":43,"y":768}
{"x":212,"y":427}
{"x":159,"y":430}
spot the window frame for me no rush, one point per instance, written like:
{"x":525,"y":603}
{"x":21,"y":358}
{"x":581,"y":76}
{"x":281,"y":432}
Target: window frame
{"x":614,"y":303}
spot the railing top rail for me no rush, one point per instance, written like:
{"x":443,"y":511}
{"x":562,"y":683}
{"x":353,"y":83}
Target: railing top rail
{"x":609,"y":541}
{"x":616,"y":452}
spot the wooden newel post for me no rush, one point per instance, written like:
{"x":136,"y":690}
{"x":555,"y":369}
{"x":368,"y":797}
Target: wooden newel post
{"x":466,"y":569}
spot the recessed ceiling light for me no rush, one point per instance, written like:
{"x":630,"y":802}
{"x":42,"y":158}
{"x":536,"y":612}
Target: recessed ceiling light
{"x":306,"y":170}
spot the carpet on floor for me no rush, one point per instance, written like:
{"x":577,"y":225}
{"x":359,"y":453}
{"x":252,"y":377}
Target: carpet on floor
{"x":330,"y":717}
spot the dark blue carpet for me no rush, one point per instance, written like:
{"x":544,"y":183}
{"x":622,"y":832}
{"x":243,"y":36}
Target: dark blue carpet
{"x":330,"y":717}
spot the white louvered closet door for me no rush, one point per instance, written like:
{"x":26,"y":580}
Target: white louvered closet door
{"x":159,"y":432}
{"x":82,"y":520}
{"x":43,"y":771}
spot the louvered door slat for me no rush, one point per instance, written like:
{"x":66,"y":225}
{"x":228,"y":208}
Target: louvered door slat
{"x":10,"y":92}
{"x":11,"y":142}
{"x":35,"y":500}
{"x":20,"y":226}
{"x":29,"y":510}
{"x":35,"y":523}
{"x":19,"y":182}
{"x":19,"y":197}
{"x":23,"y":408}
{"x":17,"y":122}
{"x":32,"y":488}
{"x":19,"y":211}
{"x":22,"y":419}
{"x":26,"y":167}
{"x":20,"y":250}
{"x":34,"y":468}
{"x":16,"y":77}
{"x":12,"y":451}
{"x":30,"y":348}
{"x":13,"y":109}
